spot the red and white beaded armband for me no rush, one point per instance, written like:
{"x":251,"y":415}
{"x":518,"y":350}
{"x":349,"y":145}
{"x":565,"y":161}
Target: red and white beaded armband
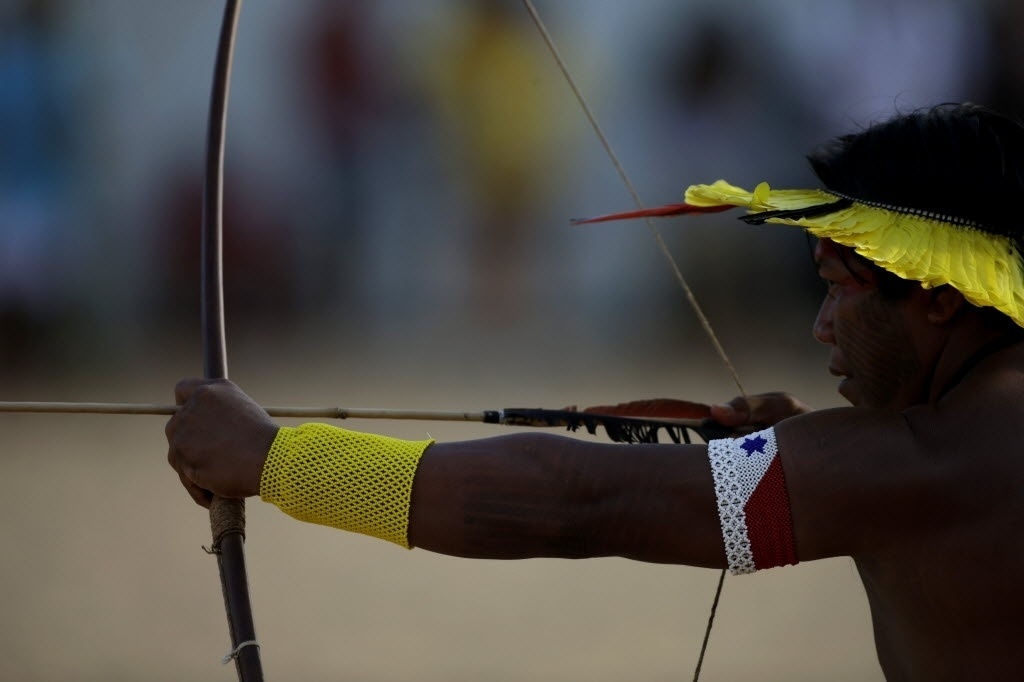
{"x":753,"y":502}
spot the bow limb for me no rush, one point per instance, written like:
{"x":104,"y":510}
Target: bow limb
{"x":227,"y":517}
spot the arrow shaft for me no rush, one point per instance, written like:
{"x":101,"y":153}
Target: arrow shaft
{"x":485,"y":416}
{"x":35,"y":407}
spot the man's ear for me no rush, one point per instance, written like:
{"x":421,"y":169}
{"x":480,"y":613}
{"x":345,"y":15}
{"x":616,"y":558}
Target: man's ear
{"x":944,"y":302}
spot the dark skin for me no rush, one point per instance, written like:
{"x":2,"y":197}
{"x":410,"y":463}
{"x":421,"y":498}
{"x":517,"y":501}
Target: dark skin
{"x":918,"y":482}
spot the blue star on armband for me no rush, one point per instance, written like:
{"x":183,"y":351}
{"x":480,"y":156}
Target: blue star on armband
{"x":755,"y":444}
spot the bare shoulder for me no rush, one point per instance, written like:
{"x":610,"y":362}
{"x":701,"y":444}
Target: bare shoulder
{"x":860,"y":478}
{"x":993,"y":390}
{"x":977,"y":426}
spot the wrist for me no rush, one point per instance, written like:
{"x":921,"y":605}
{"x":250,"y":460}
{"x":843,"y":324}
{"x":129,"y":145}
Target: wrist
{"x":344,"y":479}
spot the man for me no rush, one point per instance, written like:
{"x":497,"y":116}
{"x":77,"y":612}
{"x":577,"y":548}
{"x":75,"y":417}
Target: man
{"x":920,"y":482}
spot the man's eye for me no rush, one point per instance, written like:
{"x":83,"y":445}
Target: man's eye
{"x":831,"y":289}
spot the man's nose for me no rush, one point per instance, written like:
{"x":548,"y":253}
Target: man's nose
{"x":822,"y":329}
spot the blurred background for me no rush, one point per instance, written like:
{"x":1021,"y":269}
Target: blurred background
{"x":400,"y":176}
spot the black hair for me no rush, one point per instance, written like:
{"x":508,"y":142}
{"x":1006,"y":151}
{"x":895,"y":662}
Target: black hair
{"x":962,"y":161}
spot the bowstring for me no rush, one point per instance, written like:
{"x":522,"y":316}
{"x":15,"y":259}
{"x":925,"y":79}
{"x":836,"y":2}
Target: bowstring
{"x":631,"y":188}
{"x":705,"y":324}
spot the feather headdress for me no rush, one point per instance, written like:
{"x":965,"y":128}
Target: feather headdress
{"x":983,"y":265}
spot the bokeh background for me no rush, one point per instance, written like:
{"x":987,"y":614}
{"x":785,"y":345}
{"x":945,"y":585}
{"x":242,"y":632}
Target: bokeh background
{"x":400,"y":177}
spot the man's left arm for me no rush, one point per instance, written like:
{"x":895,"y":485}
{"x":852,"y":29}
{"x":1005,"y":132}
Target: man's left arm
{"x":514,"y":496}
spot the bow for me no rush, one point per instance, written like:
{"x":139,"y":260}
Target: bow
{"x":227,"y":517}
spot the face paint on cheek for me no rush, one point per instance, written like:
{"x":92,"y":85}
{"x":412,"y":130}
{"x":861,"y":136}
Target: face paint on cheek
{"x":880,"y":356}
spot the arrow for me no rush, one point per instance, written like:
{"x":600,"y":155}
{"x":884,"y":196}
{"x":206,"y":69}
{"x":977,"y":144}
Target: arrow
{"x":620,"y":428}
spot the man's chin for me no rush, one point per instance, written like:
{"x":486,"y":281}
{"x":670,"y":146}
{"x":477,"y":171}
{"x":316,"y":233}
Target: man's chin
{"x":847,"y":389}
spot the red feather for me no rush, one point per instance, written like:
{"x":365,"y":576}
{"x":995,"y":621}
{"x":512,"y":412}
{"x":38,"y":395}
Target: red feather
{"x":657,"y":408}
{"x":658,"y":212}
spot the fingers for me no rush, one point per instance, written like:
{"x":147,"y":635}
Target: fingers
{"x":201,"y":497}
{"x":765,"y":409}
{"x":187,"y":474}
{"x":736,"y":412}
{"x":184,"y":389}
{"x":183,"y":392}
{"x":218,"y":441}
{"x":186,"y":392}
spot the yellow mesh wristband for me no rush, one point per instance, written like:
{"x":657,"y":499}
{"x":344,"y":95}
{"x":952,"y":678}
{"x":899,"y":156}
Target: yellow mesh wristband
{"x":353,"y":481}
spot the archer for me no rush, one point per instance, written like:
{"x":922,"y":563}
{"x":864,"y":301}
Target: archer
{"x":919,"y":481}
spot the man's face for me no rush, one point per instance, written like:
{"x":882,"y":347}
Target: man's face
{"x":870,"y":337}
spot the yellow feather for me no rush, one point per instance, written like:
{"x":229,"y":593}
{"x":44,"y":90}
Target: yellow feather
{"x":986,"y":268}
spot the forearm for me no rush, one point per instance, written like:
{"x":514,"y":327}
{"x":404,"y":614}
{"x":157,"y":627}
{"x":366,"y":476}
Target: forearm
{"x":510,"y":497}
{"x":531,"y":495}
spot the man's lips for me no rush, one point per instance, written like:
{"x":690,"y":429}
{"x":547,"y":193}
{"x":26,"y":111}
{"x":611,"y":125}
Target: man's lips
{"x":837,"y":372}
{"x":844,"y":381}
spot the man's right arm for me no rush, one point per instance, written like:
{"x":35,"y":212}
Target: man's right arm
{"x":862,"y":479}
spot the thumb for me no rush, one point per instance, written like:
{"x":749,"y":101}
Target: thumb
{"x":736,"y":412}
